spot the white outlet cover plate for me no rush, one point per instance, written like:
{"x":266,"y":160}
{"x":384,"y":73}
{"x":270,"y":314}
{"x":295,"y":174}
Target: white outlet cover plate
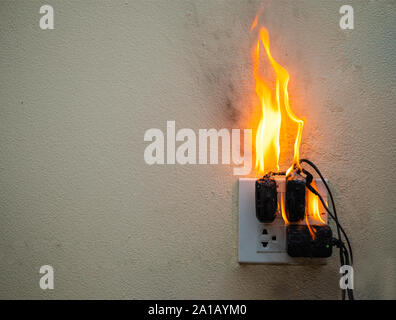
{"x":251,"y":232}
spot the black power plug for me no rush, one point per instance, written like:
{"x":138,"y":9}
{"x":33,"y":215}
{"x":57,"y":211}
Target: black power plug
{"x":295,"y":200}
{"x":266,"y":200}
{"x":300,"y":242}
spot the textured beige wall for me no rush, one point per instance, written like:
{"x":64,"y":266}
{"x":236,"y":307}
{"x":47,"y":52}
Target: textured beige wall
{"x":75,"y":103}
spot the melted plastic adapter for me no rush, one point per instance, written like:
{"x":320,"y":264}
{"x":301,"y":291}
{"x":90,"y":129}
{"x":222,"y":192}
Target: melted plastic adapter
{"x":266,"y":200}
{"x":295,"y":200}
{"x":300,"y":242}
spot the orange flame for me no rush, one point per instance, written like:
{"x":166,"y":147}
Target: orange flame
{"x":283,"y":210}
{"x":275,"y":111}
{"x":313,"y":210}
{"x":254,"y":24}
{"x":311,"y":229}
{"x":313,"y":205}
{"x":272,"y":103}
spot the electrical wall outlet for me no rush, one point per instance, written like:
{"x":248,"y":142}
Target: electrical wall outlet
{"x":266,"y":242}
{"x":271,"y":239}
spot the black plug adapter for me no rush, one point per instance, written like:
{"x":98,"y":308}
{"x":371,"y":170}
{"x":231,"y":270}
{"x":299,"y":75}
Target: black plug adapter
{"x":266,"y":200}
{"x":295,"y":200}
{"x":300,"y":242}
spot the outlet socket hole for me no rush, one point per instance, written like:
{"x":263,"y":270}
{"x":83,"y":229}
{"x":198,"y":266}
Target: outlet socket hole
{"x":273,"y":238}
{"x":264,"y":243}
{"x":265,"y":231}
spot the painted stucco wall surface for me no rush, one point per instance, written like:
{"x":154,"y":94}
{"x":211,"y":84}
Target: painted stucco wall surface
{"x":75,"y":102}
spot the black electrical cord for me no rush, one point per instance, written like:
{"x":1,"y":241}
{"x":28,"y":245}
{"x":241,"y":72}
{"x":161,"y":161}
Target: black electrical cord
{"x":327,"y":187}
{"x":349,"y":291}
{"x":335,"y":217}
{"x":331,"y":198}
{"x":346,"y":254}
{"x":343,"y":250}
{"x":342,"y":253}
{"x":310,"y":188}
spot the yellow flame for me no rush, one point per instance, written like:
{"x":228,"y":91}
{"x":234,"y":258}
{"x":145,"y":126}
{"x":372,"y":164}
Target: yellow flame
{"x":313,"y":205}
{"x":311,"y":229}
{"x":313,"y":210}
{"x":283,"y":210}
{"x":268,"y":131}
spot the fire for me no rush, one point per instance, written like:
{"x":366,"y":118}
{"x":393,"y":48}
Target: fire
{"x":283,"y":210}
{"x":273,"y":106}
{"x":313,"y":205}
{"x":275,"y":111}
{"x":311,"y":229}
{"x":313,"y":211}
{"x":254,"y":24}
